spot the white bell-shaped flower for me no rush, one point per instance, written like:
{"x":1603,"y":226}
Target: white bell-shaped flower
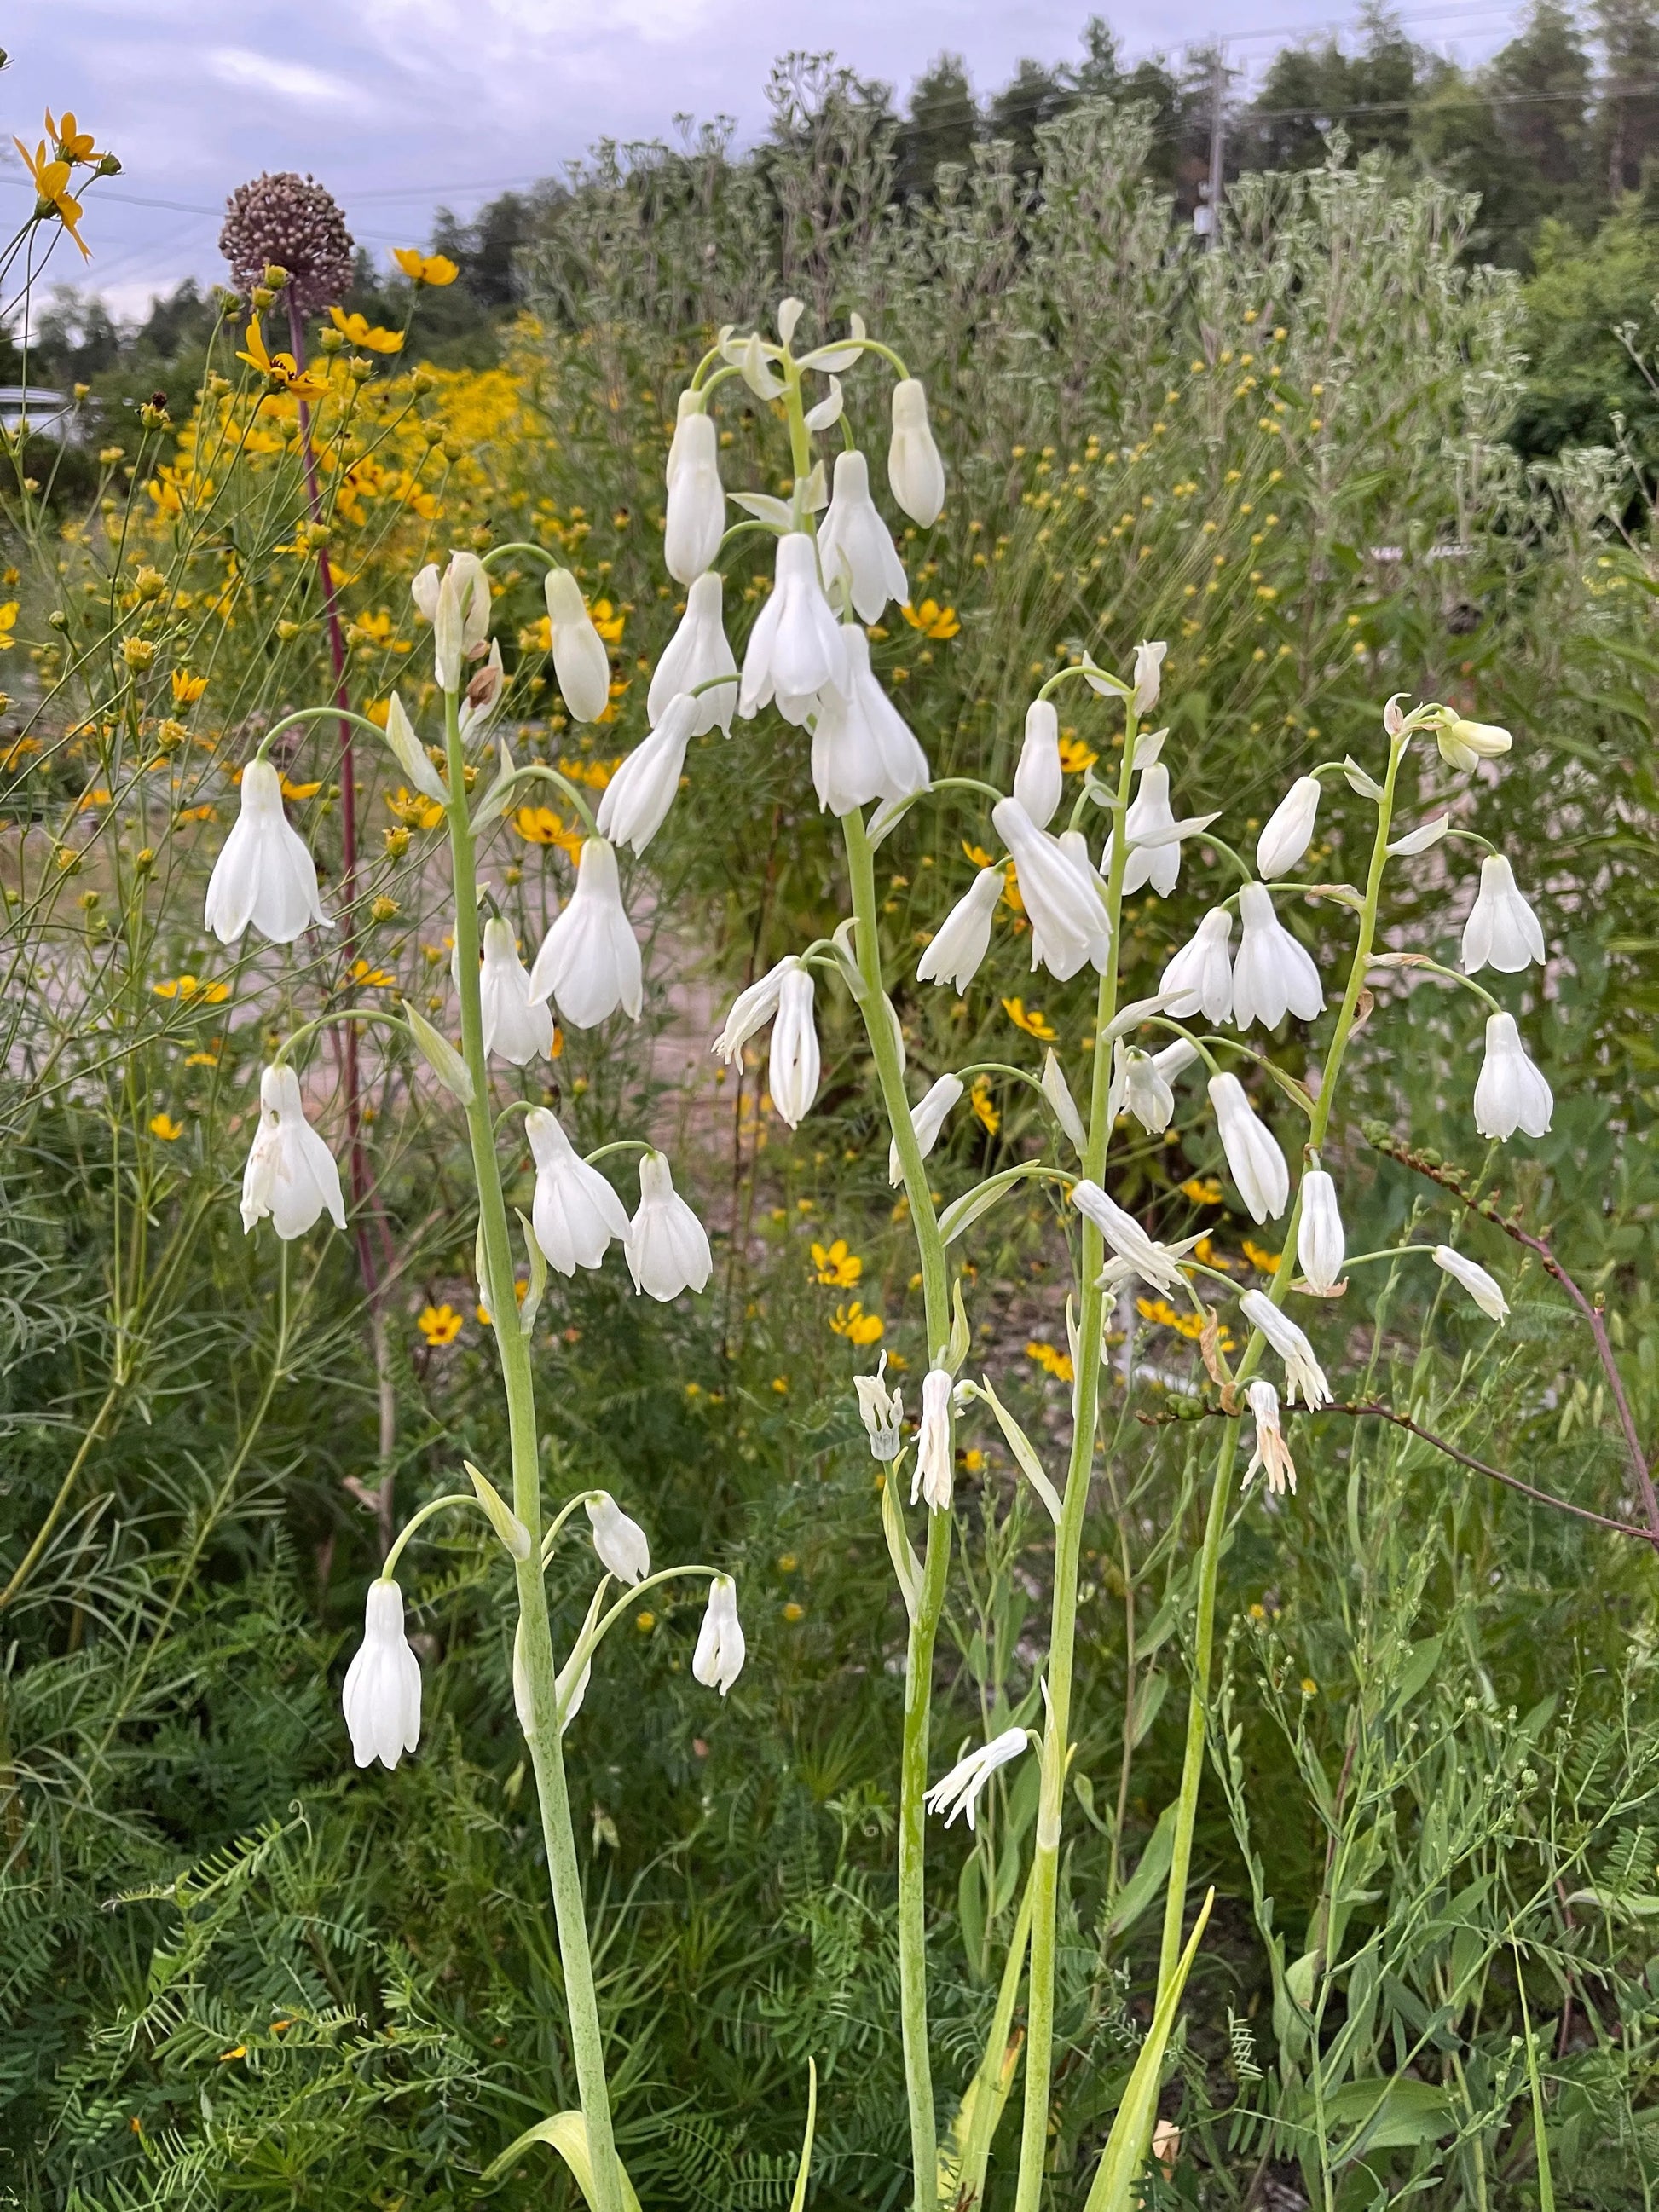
{"x":932,"y":1477}
{"x":752,"y":1009}
{"x":1274,"y":973}
{"x":963,"y":938}
{"x":855,"y":542}
{"x":1485,"y":1290}
{"x":1501,"y":931}
{"x":265,"y":874}
{"x":381,"y":1698}
{"x":581,"y":666}
{"x":1040,"y":780}
{"x":291,"y":1178}
{"x":696,"y":500}
{"x":1069,"y":923}
{"x":623,"y":1548}
{"x":1154,"y":1262}
{"x":1322,"y":1245}
{"x":1271,"y":1455}
{"x":575,"y":1212}
{"x":1148,"y":678}
{"x":1464,"y":746}
{"x":792,"y":1074}
{"x":1303,"y":1376}
{"x":794,"y":650}
{"x":927,"y":1118}
{"x":958,"y":1790}
{"x":1258,"y":1166}
{"x":698,"y":653}
{"x":1150,"y":815}
{"x":718,"y":1660}
{"x":517,"y":1026}
{"x":1139,"y":1084}
{"x":589,"y":958}
{"x":1198,"y":980}
{"x":862,"y":747}
{"x":456,"y":605}
{"x":915,"y":474}
{"x":881,"y":1410}
{"x":1511,"y":1093}
{"x":667,"y":1246}
{"x":1289,"y":830}
{"x":634,"y":804}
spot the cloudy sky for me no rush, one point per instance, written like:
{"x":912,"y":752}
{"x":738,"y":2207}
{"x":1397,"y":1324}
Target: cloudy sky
{"x":398,"y":105}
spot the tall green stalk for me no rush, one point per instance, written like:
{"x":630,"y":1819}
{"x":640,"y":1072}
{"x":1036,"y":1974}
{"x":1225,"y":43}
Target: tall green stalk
{"x":882,"y":1031}
{"x":1068,"y":1541}
{"x":538,"y":1668}
{"x":1192,"y":1768}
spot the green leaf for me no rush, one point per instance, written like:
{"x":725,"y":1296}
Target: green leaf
{"x":1147,"y":1880}
{"x":1020,"y":1444}
{"x":801,"y":2179}
{"x":966,"y":2150}
{"x":1117,"y":2176}
{"x":567,"y":2133}
{"x":906,"y":1565}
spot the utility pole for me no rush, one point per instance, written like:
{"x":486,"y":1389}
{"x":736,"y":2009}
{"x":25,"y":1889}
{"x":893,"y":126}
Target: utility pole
{"x":1218,"y":142}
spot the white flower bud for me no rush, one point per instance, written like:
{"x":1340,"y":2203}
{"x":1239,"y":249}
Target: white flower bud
{"x":1483,"y":1288}
{"x":1198,"y":980}
{"x":862,"y":747}
{"x":1290,"y":829}
{"x":1320,"y":1244}
{"x":915,"y":474}
{"x":575,"y":1212}
{"x":634,"y":804}
{"x":1148,"y":676}
{"x":696,"y":500}
{"x":696,"y":654}
{"x":964,"y":936}
{"x":1040,"y":780}
{"x":1253,"y":1154}
{"x":793,"y":1072}
{"x":1463,"y":745}
{"x":794,"y":650}
{"x":581,"y":666}
{"x":622,"y":1545}
{"x":752,"y":1009}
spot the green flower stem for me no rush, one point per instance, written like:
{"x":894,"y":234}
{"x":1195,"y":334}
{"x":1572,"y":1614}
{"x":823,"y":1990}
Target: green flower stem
{"x":1069,"y":1543}
{"x":876,"y":1009}
{"x":540,"y":1669}
{"x":434,"y":1505}
{"x":1192,"y":1769}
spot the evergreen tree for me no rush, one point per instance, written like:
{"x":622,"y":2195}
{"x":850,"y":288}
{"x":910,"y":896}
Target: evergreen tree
{"x":1099,"y":74}
{"x":1541,"y":84}
{"x":1305,"y":90}
{"x":943,"y":124}
{"x":1627,"y":120}
{"x":1036,"y":96}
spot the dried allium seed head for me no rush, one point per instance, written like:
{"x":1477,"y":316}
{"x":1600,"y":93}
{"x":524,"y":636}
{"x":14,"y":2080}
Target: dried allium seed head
{"x":295,"y":223}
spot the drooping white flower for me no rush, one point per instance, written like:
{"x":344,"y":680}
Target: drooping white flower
{"x":794,"y":650}
{"x":623,"y":1548}
{"x":930,"y":1478}
{"x":963,"y":938}
{"x":1321,"y":1243}
{"x":862,"y":747}
{"x":481,"y":701}
{"x":1068,"y":918}
{"x":1501,"y":931}
{"x":792,"y":1075}
{"x":958,"y":1790}
{"x":1148,"y":816}
{"x":581,"y":666}
{"x":718,"y":1660}
{"x":1464,"y":746}
{"x":575,"y":1212}
{"x":589,"y":958}
{"x":667,"y":1246}
{"x":1040,"y":780}
{"x":291,"y":1176}
{"x":1303,"y":1376}
{"x":1198,"y":980}
{"x":265,"y":874}
{"x":1272,"y":1453}
{"x":854,"y":542}
{"x":696,"y":500}
{"x":927,"y":1118}
{"x":1510,"y":1094}
{"x":634,"y":804}
{"x":880,"y":1410}
{"x":1483,"y":1288}
{"x":1272,"y":973}
{"x":1058,"y":1092}
{"x":752,"y":1008}
{"x":517,"y":1025}
{"x":381,"y":1697}
{"x":456,"y":605}
{"x":698,"y":653}
{"x":1154,"y":1262}
{"x":1148,"y":678}
{"x":1290,"y":829}
{"x":915,"y":474}
{"x":1253,"y":1154}
{"x":1138,"y":1082}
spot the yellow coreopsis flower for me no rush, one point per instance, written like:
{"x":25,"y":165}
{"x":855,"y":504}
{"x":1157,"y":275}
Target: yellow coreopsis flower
{"x":855,"y":1325}
{"x":425,"y":268}
{"x":360,"y":331}
{"x":414,"y":808}
{"x":438,"y":1325}
{"x":540,"y":825}
{"x":1051,"y":1359}
{"x":187,"y":689}
{"x":164,"y":1127}
{"x":52,"y":196}
{"x":931,"y":619}
{"x":836,"y":1264}
{"x":7,"y":624}
{"x":71,"y":143}
{"x":980,"y":1099}
{"x":281,"y":368}
{"x":1031,"y":1020}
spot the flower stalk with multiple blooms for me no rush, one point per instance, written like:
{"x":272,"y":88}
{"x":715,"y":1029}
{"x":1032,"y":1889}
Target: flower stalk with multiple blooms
{"x":807,"y":658}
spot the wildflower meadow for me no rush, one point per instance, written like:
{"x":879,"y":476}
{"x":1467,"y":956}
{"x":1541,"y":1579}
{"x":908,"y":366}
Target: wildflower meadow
{"x":831,"y":1367}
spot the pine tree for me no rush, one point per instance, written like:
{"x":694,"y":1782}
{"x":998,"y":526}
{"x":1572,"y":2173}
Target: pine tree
{"x":1036,"y":96}
{"x":943,"y":124}
{"x":1627,"y":119}
{"x":1541,"y":83}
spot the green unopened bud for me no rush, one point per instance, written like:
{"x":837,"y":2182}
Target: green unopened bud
{"x":441,"y":1056}
{"x":502,"y":1519}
